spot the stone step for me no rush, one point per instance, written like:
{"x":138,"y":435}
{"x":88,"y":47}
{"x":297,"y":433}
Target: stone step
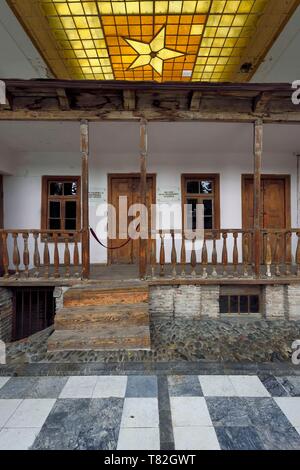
{"x":108,"y":338}
{"x":77,"y":297}
{"x":94,"y":316}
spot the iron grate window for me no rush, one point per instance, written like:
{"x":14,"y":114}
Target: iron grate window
{"x":34,"y":310}
{"x":239,"y":304}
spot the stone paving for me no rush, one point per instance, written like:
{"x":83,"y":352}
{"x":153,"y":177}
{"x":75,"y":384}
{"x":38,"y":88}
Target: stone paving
{"x":150,"y":412}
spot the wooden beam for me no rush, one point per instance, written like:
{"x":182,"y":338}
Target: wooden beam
{"x":258,"y":147}
{"x":63,"y":99}
{"x":195,"y":101}
{"x":129,"y":100}
{"x":85,"y":242}
{"x":260,"y":103}
{"x":143,"y":197}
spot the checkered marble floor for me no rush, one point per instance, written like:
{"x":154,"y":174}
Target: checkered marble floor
{"x":150,"y":412}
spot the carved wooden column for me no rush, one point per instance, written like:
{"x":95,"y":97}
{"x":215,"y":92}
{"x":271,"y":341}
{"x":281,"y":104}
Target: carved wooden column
{"x":143,"y":197}
{"x":258,"y":146}
{"x":85,"y":244}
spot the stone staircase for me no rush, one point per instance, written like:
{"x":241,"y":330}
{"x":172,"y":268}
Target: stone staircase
{"x":102,"y":318}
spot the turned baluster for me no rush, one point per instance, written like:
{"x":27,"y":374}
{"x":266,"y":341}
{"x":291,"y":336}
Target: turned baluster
{"x":67,"y":258}
{"x":268,"y":257}
{"x":245,"y":253}
{"x":193,"y":257}
{"x":46,"y":257}
{"x":26,"y":254}
{"x":298,"y":254}
{"x":36,"y":254}
{"x":5,"y":257}
{"x":16,"y":254}
{"x":277,"y":253}
{"x":204,"y":259}
{"x":56,"y":255}
{"x":162,"y":254}
{"x":183,"y":255}
{"x":288,"y":253}
{"x":76,"y":256}
{"x":235,"y":254}
{"x":224,"y":253}
{"x":173,"y":254}
{"x":214,"y":255}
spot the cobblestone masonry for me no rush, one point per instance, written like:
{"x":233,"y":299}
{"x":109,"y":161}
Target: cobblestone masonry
{"x":6,"y":313}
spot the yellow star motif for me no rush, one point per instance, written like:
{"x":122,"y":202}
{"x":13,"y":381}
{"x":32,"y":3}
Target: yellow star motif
{"x":153,"y":53}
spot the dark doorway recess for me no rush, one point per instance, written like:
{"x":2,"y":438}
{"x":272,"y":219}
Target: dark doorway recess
{"x":34,"y":310}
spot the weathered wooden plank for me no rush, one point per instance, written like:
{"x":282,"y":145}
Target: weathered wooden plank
{"x":63,"y":99}
{"x":129,"y":100}
{"x":85,"y":245}
{"x":258,"y":144}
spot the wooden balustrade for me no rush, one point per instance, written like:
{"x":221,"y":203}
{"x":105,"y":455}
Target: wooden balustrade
{"x":32,"y":246}
{"x":227,"y":253}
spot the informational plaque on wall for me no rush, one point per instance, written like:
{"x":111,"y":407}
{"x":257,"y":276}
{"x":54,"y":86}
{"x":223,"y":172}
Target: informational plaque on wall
{"x":97,"y":196}
{"x":168,"y":195}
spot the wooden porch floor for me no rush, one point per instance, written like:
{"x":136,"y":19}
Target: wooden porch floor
{"x":130,"y":274}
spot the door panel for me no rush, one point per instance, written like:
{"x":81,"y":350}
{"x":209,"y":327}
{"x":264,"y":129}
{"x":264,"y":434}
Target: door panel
{"x":128,"y":186}
{"x":275,"y":214}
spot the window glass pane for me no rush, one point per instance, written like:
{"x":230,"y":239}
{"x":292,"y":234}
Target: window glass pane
{"x":206,"y":187}
{"x":70,"y":210}
{"x":54,"y":209}
{"x":192,"y":214}
{"x":208,"y":223}
{"x":70,"y":224}
{"x":192,"y":187}
{"x":70,"y":189}
{"x":208,"y":207}
{"x":54,"y":224}
{"x":244,"y":304}
{"x":56,"y":189}
{"x":254,"y":304}
{"x":234,"y":304}
{"x":224,"y":304}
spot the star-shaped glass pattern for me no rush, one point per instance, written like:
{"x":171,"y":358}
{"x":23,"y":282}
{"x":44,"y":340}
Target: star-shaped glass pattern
{"x":153,"y":53}
{"x":182,"y":40}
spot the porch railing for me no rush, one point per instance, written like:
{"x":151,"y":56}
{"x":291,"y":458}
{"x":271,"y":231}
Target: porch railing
{"x":40,"y":253}
{"x":225,"y":253}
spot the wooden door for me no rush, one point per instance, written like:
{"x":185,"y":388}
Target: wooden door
{"x":1,"y":222}
{"x":275,"y":204}
{"x":121,"y":252}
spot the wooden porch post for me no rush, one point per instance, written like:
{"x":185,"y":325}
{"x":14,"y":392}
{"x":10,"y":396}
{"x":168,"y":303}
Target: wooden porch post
{"x":143,"y":195}
{"x":258,"y":146}
{"x":85,"y":245}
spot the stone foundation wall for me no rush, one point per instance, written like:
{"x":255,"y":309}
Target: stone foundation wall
{"x":6,"y":314}
{"x":198,"y":301}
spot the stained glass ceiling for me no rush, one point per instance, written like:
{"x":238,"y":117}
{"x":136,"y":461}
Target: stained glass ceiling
{"x":152,"y":40}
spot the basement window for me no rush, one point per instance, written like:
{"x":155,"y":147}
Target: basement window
{"x":33,"y":310}
{"x":237,"y":301}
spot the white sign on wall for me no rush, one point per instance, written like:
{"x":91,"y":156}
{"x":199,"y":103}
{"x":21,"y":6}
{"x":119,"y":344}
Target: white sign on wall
{"x":97,"y":195}
{"x":168,"y":195}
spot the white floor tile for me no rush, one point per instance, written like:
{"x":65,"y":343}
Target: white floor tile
{"x":17,"y":439}
{"x":189,"y":411}
{"x":3,"y":381}
{"x":217,"y":386}
{"x":7,"y":408}
{"x":32,"y":413}
{"x":196,"y":438}
{"x":139,"y":439}
{"x":248,"y":386}
{"x":291,"y":408}
{"x":79,"y":387}
{"x":140,"y":413}
{"x":110,"y":386}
